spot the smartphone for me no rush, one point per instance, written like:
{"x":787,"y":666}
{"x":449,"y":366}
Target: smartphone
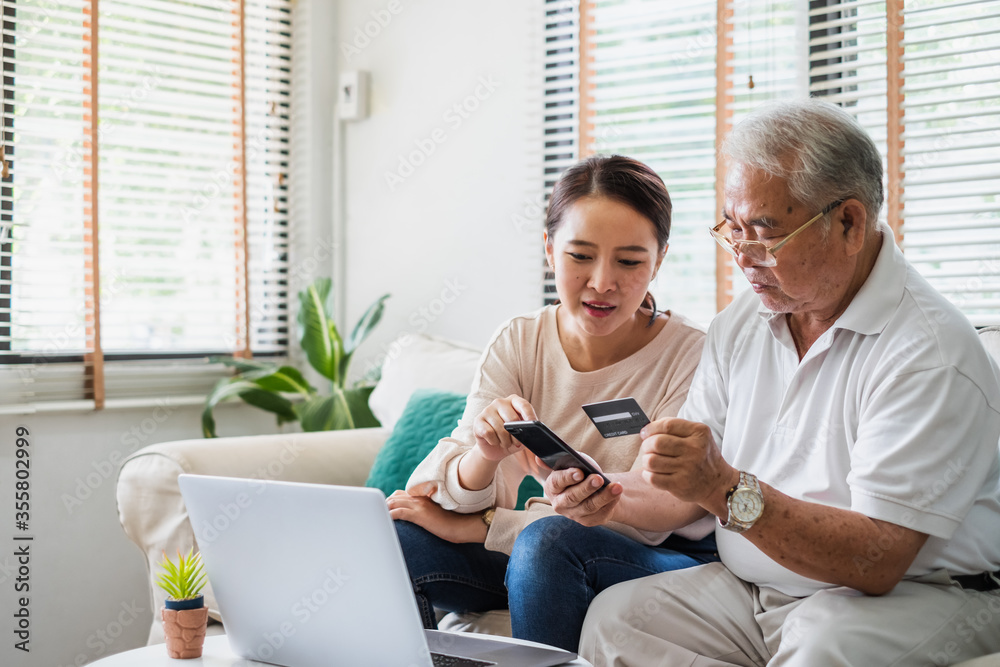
{"x":550,"y":448}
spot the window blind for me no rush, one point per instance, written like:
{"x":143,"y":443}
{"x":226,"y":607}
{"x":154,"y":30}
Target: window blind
{"x":268,"y":125}
{"x":170,"y":173}
{"x":653,"y":77}
{"x":921,"y":77}
{"x":847,"y":64}
{"x":764,"y":64}
{"x":145,"y":210}
{"x":951,"y":109}
{"x":654,"y":86}
{"x":46,"y":257}
{"x":937,"y":127}
{"x":562,"y":100}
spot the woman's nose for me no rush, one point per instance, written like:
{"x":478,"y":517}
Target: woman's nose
{"x":602,"y":279}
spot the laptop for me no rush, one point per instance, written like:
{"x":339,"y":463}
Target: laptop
{"x":309,"y":575}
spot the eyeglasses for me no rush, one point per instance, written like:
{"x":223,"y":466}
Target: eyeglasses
{"x":756,"y":251}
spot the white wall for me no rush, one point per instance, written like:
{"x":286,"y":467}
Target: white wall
{"x":443,"y":240}
{"x":449,"y":242}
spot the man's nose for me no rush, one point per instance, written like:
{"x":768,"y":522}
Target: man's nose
{"x":744,"y":262}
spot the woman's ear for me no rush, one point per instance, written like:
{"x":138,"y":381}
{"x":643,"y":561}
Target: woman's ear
{"x":659,"y":260}
{"x":550,"y":256}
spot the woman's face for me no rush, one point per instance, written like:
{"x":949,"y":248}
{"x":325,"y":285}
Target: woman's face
{"x":604,"y":255}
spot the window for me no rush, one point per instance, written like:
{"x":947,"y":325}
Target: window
{"x":922,"y":78}
{"x":649,"y":87}
{"x":652,"y":97}
{"x":664,"y":84}
{"x":561,"y":116}
{"x":144,"y":203}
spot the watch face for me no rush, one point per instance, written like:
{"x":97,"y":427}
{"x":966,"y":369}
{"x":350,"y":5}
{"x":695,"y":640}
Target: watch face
{"x":746,"y":505}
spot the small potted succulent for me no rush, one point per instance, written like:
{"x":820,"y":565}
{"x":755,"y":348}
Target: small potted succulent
{"x":184,"y":614}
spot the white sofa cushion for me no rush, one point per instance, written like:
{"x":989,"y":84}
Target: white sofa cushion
{"x":418,"y":361}
{"x":152,"y":512}
{"x":494,"y":622}
{"x":990,"y":336}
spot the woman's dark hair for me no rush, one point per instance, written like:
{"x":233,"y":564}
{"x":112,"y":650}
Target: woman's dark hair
{"x":622,"y":179}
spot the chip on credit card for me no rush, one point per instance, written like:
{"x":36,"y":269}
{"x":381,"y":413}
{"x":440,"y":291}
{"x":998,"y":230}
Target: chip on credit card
{"x":617,"y":417}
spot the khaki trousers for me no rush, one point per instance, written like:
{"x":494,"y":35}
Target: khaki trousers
{"x":707,"y":617}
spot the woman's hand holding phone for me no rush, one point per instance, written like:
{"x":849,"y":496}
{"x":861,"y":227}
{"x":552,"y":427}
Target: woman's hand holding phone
{"x":492,"y":439}
{"x":478,"y":466}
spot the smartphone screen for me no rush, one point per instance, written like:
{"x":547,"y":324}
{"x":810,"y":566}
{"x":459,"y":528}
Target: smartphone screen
{"x":550,"y":448}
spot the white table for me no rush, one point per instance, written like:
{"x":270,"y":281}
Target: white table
{"x":216,"y":654}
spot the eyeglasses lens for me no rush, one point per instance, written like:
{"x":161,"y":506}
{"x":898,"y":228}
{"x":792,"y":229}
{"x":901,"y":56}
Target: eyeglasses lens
{"x":754,"y":252}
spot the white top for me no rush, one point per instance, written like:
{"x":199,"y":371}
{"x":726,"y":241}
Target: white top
{"x":218,"y":653}
{"x":894,"y":412}
{"x":526,"y":358}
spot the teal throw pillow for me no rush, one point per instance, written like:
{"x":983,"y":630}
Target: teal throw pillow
{"x":430,"y":415}
{"x":530,"y":488}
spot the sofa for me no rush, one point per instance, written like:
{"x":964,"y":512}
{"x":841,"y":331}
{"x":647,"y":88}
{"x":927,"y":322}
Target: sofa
{"x":152,"y":511}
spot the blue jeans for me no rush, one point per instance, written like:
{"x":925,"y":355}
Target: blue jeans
{"x":449,"y":576}
{"x":555,"y":570}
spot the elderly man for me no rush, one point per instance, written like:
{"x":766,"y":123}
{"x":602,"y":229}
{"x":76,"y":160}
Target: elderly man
{"x":842,"y":427}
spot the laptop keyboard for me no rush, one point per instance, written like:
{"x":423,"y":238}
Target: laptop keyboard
{"x":442,"y":660}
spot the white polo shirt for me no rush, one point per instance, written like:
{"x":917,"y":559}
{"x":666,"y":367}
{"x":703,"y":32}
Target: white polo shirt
{"x":894,"y":412}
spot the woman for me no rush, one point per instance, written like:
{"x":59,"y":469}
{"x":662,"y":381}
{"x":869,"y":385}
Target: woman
{"x":606,"y":232}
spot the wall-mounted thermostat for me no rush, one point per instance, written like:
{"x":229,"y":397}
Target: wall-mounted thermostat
{"x":352,"y":95}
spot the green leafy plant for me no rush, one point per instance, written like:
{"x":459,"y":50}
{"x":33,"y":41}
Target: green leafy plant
{"x":267,"y":385}
{"x":184,"y":579}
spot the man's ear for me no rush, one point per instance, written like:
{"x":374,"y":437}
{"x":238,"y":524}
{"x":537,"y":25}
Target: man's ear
{"x":854,"y":223}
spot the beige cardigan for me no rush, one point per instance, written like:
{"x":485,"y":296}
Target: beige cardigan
{"x":526,"y":358}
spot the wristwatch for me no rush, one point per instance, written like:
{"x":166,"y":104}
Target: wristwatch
{"x":487,"y":516}
{"x":746,"y":504}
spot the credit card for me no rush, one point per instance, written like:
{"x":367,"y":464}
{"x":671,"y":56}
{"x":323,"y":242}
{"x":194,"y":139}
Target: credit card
{"x":617,"y":417}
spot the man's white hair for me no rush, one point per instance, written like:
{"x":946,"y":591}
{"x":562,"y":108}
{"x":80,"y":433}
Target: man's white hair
{"x":817,"y":147}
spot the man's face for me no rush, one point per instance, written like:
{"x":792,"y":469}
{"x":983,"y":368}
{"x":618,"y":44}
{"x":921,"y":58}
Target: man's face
{"x":814,"y":269}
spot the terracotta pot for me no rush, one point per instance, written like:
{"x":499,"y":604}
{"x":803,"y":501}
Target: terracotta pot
{"x":185,"y":630}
